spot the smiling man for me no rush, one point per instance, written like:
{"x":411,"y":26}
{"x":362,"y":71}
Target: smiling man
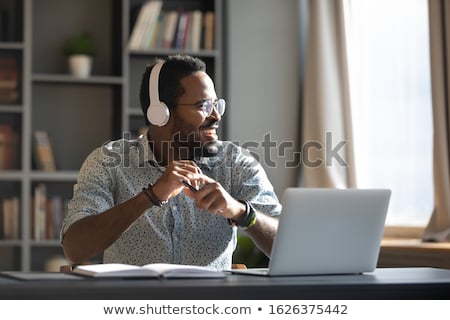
{"x":177,"y":194}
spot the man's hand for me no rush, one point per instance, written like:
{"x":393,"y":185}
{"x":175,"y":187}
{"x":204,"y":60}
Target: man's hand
{"x":214,"y":198}
{"x":170,"y":184}
{"x":210,"y":194}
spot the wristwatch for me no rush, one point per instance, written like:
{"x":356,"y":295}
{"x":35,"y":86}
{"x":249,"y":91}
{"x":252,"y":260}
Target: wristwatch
{"x":248,"y":219}
{"x":152,"y":197}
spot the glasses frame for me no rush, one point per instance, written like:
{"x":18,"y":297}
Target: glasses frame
{"x":208,"y":105}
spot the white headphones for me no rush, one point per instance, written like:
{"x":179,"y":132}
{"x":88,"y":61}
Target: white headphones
{"x":157,"y":113}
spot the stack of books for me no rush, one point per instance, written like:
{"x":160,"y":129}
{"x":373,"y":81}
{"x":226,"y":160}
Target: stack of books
{"x":172,"y":29}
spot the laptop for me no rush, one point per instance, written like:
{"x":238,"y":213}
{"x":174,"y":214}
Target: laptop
{"x":325,"y":231}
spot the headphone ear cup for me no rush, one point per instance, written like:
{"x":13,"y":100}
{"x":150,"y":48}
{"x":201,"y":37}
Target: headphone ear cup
{"x":158,"y":114}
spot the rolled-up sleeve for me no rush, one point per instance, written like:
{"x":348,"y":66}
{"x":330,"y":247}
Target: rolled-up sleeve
{"x":92,"y":194}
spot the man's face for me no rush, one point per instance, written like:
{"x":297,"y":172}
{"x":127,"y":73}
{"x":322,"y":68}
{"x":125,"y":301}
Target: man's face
{"x":191,"y":128}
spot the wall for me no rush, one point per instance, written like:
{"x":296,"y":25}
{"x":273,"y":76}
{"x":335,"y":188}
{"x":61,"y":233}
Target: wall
{"x":263,"y":82}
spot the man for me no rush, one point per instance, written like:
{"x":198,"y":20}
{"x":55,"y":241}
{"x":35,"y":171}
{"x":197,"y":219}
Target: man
{"x":176,"y":194}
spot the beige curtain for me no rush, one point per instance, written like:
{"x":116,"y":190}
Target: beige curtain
{"x":327,"y":147}
{"x":438,"y":228}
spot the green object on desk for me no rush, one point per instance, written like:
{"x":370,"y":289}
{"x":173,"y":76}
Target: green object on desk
{"x":247,"y":253}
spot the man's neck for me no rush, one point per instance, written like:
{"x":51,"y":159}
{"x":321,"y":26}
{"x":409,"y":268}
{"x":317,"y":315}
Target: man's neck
{"x":164,"y":152}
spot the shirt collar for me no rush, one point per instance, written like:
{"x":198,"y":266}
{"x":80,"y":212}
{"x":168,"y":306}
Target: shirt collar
{"x":149,"y":156}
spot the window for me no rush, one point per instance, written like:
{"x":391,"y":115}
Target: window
{"x":389,"y":71}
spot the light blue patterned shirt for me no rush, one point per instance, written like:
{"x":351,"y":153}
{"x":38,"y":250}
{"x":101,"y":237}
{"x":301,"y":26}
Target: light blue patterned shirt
{"x":178,"y":232}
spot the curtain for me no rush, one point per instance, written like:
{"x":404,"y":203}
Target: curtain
{"x":327,"y":149}
{"x":438,"y":228}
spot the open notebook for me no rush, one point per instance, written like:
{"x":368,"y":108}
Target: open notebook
{"x":327,"y":231}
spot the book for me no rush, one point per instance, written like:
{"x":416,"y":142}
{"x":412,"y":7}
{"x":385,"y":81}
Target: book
{"x":196,"y":30}
{"x":156,"y":36}
{"x":139,"y":27}
{"x":9,"y":79}
{"x":152,"y":270}
{"x":43,"y":151}
{"x":8,"y":147}
{"x":10,"y":210}
{"x":55,"y":215}
{"x":208,"y":43}
{"x":150,"y":24}
{"x":144,"y":25}
{"x":40,"y":211}
{"x":170,"y":29}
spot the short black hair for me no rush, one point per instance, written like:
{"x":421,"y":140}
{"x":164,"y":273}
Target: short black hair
{"x":170,"y":89}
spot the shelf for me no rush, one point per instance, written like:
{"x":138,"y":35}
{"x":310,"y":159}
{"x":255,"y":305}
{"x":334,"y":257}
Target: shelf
{"x":135,"y":112}
{"x":63,"y":176}
{"x":10,"y":175}
{"x":45,"y":243}
{"x":10,"y":243}
{"x":166,"y":52}
{"x":11,"y":45}
{"x":68,"y":79}
{"x":12,"y":108}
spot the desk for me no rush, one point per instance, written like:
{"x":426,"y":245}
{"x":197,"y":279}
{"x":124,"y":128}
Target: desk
{"x":384,"y":283}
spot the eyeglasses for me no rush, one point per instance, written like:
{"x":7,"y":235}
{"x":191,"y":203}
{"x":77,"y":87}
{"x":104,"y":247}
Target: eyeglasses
{"x":207,"y":106}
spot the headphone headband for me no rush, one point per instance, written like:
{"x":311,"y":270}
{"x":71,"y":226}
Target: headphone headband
{"x":153,"y":84}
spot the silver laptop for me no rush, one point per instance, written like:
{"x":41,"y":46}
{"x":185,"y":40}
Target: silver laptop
{"x":327,"y":231}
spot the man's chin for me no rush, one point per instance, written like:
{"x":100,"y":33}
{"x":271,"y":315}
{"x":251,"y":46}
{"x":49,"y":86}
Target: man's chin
{"x":210,"y":148}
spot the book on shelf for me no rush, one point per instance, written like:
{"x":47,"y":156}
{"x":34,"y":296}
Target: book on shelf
{"x":9,"y":79}
{"x":55,"y":212}
{"x":172,"y":29}
{"x":181,"y":30}
{"x":189,"y":30}
{"x":151,"y":25}
{"x":169,"y":29}
{"x":145,"y":25}
{"x":43,"y":151}
{"x":47,"y":214}
{"x":9,"y":147}
{"x":208,"y":39}
{"x":40,"y":211}
{"x":137,"y":30}
{"x":196,"y":30}
{"x":156,"y":36}
{"x":9,"y":215}
{"x":152,"y":270}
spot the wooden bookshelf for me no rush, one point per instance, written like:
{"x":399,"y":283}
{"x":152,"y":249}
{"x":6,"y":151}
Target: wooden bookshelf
{"x":78,"y":114}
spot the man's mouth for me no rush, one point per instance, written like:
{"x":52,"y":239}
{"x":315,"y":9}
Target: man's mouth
{"x":209,"y":131}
